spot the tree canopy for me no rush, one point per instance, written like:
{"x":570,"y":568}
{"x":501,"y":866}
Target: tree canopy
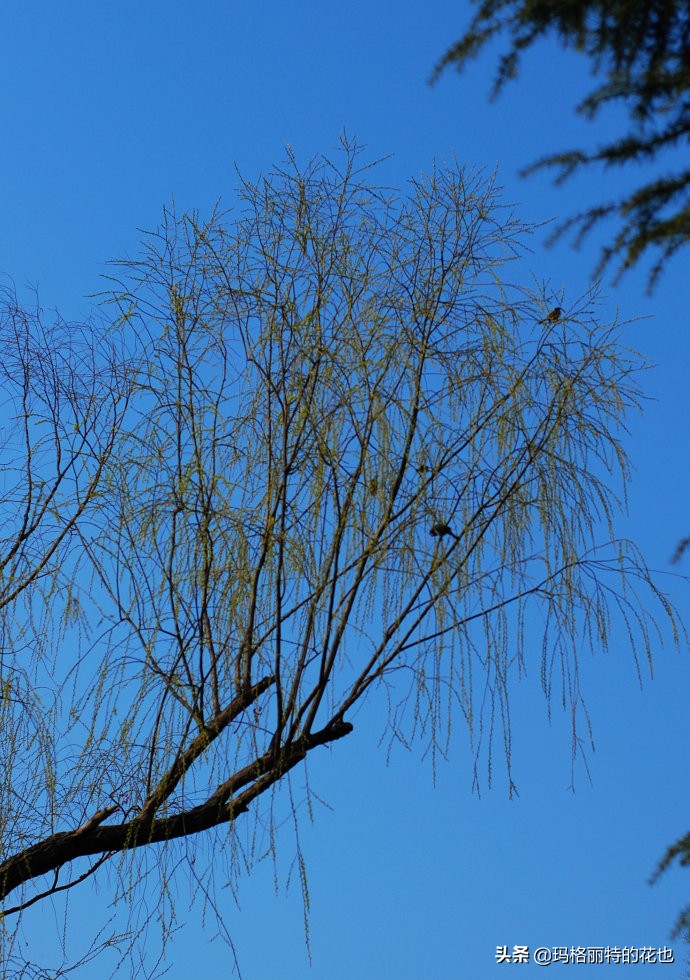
{"x":319,"y":451}
{"x":640,"y":49}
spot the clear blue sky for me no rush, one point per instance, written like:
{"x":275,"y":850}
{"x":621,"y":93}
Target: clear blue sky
{"x":108,"y":110}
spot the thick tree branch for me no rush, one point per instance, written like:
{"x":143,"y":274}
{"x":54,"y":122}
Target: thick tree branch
{"x":92,"y":838}
{"x":199,"y":745}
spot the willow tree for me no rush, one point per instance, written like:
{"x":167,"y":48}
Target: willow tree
{"x":353,"y":460}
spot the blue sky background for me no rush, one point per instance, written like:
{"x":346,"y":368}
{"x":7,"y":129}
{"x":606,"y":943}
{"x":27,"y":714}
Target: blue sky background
{"x":108,"y":111}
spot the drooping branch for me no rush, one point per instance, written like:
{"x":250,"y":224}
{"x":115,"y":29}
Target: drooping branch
{"x":640,"y":51}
